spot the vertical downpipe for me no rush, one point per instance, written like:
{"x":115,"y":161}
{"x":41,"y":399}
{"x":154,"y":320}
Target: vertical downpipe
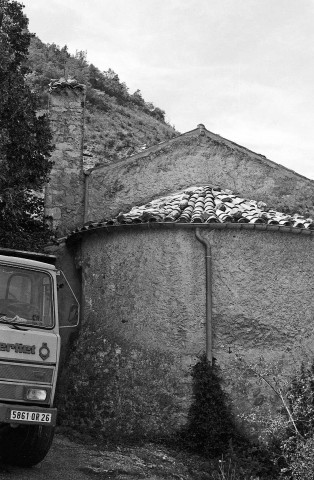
{"x":209,"y":319}
{"x":86,"y":196}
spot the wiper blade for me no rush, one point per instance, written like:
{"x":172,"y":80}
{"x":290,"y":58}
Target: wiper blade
{"x":16,"y":327}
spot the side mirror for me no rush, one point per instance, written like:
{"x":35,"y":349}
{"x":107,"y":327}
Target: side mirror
{"x":68,"y":305}
{"x":73,"y":318}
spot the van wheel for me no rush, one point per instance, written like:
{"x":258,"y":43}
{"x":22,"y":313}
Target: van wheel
{"x":25,"y":445}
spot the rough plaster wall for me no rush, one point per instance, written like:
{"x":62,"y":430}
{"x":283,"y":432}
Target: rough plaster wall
{"x":64,"y":198}
{"x":150,"y":276}
{"x":145,"y":301}
{"x":195,"y":159}
{"x":146,"y":319}
{"x":263,"y":305}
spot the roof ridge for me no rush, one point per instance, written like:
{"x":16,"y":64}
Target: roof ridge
{"x":202,"y":131}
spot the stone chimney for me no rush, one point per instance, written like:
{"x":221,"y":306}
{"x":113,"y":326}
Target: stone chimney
{"x":64,"y":194}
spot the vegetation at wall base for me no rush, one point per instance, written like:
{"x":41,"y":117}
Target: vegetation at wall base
{"x":286,"y":451}
{"x":212,"y":431}
{"x":297,"y":449}
{"x":94,"y":404}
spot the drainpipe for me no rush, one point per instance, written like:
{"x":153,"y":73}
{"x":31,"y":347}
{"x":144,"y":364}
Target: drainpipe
{"x":209,"y":317}
{"x":86,"y":196}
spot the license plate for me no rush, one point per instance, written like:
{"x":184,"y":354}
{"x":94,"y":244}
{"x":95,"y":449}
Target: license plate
{"x":27,"y":416}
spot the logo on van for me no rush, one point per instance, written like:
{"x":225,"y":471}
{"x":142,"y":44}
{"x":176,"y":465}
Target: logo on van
{"x":44,"y":351}
{"x":17,"y":347}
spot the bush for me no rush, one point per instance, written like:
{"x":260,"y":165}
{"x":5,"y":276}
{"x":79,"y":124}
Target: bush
{"x":301,"y":400}
{"x":297,"y":449}
{"x":299,"y":457}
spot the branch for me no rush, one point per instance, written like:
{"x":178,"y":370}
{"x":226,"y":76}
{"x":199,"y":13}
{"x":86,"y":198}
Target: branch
{"x":280,"y":395}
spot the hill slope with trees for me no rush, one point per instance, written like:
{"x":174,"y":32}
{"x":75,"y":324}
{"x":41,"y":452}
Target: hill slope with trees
{"x":117,"y":123}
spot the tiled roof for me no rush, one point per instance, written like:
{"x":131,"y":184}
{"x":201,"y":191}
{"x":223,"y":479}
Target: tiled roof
{"x":208,"y":205}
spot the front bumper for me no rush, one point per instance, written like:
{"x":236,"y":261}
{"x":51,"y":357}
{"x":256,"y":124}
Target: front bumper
{"x":22,"y":415}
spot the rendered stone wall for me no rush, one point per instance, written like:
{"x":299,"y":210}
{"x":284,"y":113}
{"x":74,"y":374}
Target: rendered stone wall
{"x":197,"y":157}
{"x":144,"y":321}
{"x":64,"y":196}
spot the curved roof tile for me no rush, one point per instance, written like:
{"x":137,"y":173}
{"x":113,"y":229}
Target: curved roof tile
{"x":207,"y":204}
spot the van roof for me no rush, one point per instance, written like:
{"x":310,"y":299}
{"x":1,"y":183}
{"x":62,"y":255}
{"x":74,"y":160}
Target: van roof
{"x":37,"y":257}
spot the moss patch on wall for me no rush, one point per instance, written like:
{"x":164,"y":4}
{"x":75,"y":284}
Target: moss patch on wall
{"x":116,"y":390}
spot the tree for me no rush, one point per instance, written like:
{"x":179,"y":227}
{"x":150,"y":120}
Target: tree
{"x":137,"y":98}
{"x":25,"y":139}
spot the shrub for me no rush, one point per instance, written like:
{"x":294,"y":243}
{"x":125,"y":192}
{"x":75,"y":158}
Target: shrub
{"x":297,"y":448}
{"x":299,"y":456}
{"x":301,"y":400}
{"x":210,"y":427}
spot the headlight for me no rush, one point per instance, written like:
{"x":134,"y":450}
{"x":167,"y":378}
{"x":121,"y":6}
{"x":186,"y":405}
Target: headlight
{"x":36,"y":394}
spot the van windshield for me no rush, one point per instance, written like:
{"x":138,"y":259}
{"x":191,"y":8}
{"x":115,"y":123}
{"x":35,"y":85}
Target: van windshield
{"x":25,"y":297}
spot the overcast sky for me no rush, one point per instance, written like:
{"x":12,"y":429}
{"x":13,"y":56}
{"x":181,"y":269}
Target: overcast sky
{"x":244,"y":68}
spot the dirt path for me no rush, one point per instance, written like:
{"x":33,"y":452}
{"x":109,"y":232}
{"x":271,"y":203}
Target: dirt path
{"x":69,"y":460}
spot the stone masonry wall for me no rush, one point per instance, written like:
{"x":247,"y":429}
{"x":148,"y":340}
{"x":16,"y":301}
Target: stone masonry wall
{"x":196,"y":158}
{"x":144,"y":321}
{"x":64,"y":196}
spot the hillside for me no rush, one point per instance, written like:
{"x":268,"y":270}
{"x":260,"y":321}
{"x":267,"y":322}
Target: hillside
{"x":117,"y":122}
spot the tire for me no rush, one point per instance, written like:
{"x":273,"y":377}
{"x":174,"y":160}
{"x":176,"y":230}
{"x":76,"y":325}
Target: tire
{"x":25,"y":445}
